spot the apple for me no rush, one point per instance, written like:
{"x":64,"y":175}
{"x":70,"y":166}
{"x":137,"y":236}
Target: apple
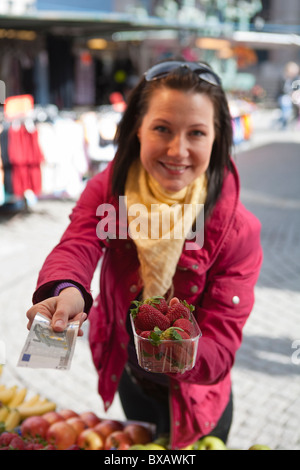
{"x":61,"y":434}
{"x":138,"y":433}
{"x":163,"y":441}
{"x":52,"y":417}
{"x":259,"y":447}
{"x":67,"y":413}
{"x":137,"y":447}
{"x":34,"y":426}
{"x":118,"y":440}
{"x":77,"y":423}
{"x":210,"y":443}
{"x":107,"y":426}
{"x":89,"y":439}
{"x":90,"y":418}
{"x":153,"y":446}
{"x":188,"y":447}
{"x":49,"y":447}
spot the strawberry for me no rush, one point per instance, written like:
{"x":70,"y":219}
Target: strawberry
{"x":148,"y":317}
{"x":175,"y":334}
{"x":176,"y":350}
{"x":186,"y":325}
{"x":178,"y":310}
{"x":146,"y":347}
{"x":158,"y":302}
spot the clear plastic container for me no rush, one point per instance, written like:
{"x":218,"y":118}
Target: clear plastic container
{"x":168,"y":355}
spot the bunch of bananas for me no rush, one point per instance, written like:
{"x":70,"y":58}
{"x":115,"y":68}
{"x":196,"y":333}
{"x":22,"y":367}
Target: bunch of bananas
{"x":14,"y":408}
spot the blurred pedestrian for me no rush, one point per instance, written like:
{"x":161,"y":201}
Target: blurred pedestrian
{"x":288,"y":110}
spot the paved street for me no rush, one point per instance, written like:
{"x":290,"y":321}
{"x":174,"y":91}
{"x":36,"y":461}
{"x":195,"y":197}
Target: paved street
{"x":266,"y":375}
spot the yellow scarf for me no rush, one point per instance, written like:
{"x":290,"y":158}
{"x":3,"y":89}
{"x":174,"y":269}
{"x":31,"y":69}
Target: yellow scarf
{"x":158,"y":223}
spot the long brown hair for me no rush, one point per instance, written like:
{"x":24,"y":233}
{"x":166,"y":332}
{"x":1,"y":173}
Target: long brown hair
{"x":128,"y":146}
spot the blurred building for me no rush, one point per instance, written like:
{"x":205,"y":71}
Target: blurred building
{"x":68,"y":65}
{"x":75,"y":53}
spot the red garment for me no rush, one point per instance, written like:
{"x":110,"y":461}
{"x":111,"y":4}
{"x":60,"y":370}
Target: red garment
{"x":218,"y":279}
{"x":25,"y":157}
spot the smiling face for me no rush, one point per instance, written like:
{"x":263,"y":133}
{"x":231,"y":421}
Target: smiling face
{"x":176,"y":137}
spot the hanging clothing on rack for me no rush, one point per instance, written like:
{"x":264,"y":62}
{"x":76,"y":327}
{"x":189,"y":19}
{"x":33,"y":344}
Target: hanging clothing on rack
{"x":25,"y":157}
{"x":6,"y":164}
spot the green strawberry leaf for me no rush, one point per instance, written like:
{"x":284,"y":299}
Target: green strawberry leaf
{"x":154,"y":300}
{"x":134,"y":311}
{"x":155,"y":336}
{"x":189,"y":306}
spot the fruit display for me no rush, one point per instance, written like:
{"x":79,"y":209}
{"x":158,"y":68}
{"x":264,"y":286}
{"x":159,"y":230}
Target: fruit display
{"x":36,"y":424}
{"x":166,"y":335}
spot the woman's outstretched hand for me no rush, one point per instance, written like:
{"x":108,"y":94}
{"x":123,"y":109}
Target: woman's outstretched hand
{"x":67,"y":306}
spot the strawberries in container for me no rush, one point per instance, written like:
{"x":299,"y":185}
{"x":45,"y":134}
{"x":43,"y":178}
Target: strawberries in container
{"x":166,"y":336}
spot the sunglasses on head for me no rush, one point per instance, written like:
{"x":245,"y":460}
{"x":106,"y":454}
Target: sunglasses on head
{"x":163,"y":69}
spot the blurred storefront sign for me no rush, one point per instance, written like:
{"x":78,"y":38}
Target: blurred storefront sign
{"x":16,"y":7}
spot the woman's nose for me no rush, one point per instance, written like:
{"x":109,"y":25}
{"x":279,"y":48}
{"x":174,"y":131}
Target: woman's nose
{"x":178,"y":147}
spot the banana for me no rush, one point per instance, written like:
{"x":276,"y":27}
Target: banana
{"x":1,"y":369}
{"x":4,"y":411}
{"x":12,"y":420}
{"x":37,"y":409}
{"x":18,"y":398}
{"x":7,"y":394}
{"x":31,"y":401}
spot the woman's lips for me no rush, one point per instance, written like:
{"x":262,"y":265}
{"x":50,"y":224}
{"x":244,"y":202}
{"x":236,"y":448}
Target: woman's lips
{"x":176,"y":169}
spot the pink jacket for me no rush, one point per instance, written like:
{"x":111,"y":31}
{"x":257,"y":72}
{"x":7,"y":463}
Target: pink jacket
{"x":218,"y":279}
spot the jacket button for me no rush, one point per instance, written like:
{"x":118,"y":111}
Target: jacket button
{"x":195,"y":266}
{"x":235,"y":300}
{"x":133,"y":288}
{"x":114,"y":378}
{"x":194,"y":289}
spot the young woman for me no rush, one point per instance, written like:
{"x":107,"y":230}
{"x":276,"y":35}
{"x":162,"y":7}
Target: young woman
{"x":173,"y":148}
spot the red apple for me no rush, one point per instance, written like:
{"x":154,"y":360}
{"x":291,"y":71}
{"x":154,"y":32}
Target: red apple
{"x":61,"y":434}
{"x":118,"y":440}
{"x":52,"y":417}
{"x":67,"y":413}
{"x":50,"y":447}
{"x":90,"y":440}
{"x":35,"y":426}
{"x":77,"y":423}
{"x":107,"y":426}
{"x":138,"y":433}
{"x":90,"y":418}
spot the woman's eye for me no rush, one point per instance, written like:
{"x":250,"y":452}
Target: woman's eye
{"x":197,"y":133}
{"x":161,"y":129}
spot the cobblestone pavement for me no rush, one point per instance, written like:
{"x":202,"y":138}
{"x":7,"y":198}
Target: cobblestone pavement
{"x":266,"y":375}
